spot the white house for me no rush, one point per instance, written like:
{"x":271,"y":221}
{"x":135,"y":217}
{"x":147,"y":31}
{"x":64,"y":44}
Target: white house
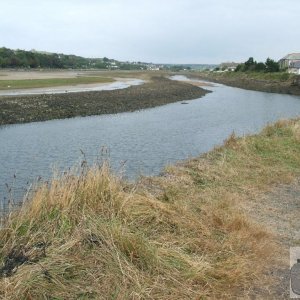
{"x":289,"y":61}
{"x":228,"y":66}
{"x":294,"y":68}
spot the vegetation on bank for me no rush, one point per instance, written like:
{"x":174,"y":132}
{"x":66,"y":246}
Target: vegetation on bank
{"x":267,"y":76}
{"x":50,"y":82}
{"x":182,"y":235}
{"x":32,"y":108}
{"x":251,"y":74}
{"x":270,"y":66}
{"x":278,"y":82}
{"x":251,"y":65}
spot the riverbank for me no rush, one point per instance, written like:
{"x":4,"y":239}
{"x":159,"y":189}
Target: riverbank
{"x":190,"y":233}
{"x":282,"y":83}
{"x":157,"y":91}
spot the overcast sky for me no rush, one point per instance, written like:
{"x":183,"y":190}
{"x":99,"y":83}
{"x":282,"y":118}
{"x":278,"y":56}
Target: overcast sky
{"x":166,"y":31}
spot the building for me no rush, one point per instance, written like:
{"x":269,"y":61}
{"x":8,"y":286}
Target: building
{"x":289,"y":60}
{"x":228,"y":66}
{"x":294,"y":67}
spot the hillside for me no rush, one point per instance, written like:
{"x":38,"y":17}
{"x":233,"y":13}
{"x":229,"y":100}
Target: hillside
{"x":40,"y":59}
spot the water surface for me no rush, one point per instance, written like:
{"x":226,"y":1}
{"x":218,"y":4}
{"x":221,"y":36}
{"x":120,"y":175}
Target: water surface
{"x":143,"y":142}
{"x":116,"y":85}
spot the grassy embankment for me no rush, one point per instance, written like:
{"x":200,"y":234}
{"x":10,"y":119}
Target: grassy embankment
{"x":183,"y":235}
{"x":281,"y":82}
{"x":279,"y":76}
{"x":50,"y":82}
{"x":155,"y":92}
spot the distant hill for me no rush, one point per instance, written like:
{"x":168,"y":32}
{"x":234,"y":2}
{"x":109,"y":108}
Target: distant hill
{"x":41,"y":59}
{"x":199,"y":67}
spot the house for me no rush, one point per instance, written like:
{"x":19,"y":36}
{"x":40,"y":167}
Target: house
{"x":294,"y":67}
{"x":228,"y":66}
{"x":289,"y":60}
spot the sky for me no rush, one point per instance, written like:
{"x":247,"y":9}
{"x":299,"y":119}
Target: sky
{"x":158,"y":31}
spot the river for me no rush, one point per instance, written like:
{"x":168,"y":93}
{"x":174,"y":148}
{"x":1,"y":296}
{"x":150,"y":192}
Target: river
{"x":138,"y":143}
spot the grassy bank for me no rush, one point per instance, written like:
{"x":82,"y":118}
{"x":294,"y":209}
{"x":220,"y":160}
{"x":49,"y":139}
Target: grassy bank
{"x":50,"y":82}
{"x":283,"y":82}
{"x":183,"y":235}
{"x":31,"y":108}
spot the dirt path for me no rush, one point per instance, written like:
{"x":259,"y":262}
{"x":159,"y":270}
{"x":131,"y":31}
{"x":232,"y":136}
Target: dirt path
{"x":279,"y":211}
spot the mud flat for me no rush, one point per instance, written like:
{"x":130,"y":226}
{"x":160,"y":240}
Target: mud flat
{"x":32,"y":108}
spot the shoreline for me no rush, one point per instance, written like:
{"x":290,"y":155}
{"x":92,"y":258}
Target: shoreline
{"x":157,"y":91}
{"x":245,"y":81}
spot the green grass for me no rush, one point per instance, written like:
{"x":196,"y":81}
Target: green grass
{"x":277,"y":76}
{"x":280,"y":76}
{"x":51,"y":82}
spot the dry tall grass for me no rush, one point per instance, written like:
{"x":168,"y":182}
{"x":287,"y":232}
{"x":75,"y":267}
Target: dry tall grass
{"x":182,"y":235}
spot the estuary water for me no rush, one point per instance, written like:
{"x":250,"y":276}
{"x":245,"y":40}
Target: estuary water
{"x":116,"y":85}
{"x":137,"y":143}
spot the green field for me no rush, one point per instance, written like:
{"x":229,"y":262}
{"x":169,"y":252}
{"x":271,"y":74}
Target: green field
{"x":50,"y":82}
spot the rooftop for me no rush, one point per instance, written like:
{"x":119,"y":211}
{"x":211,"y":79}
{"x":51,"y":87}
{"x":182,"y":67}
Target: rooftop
{"x":292,"y":56}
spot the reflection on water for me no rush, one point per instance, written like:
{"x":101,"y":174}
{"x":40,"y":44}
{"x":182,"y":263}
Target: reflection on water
{"x":144,"y":141}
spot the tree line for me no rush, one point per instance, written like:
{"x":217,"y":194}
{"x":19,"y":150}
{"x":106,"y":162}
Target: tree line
{"x":269,"y":65}
{"x":32,"y":59}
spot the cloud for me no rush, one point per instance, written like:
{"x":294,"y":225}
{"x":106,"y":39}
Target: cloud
{"x":174,"y":31}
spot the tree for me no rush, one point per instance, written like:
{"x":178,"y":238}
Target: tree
{"x":271,"y":65}
{"x":251,"y":65}
{"x":250,"y":62}
{"x":240,"y":68}
{"x":260,"y":67}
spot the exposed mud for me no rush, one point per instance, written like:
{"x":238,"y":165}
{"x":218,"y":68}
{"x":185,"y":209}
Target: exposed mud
{"x":20,"y":255}
{"x":32,"y":108}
